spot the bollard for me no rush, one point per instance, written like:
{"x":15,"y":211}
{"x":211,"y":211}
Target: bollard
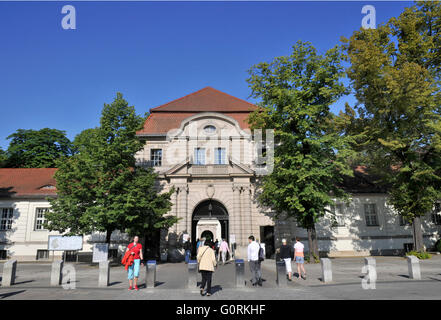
{"x":326,"y":270}
{"x":56,"y":272}
{"x":150,"y":278}
{"x":104,"y":276}
{"x":413,"y":265}
{"x":239,"y":274}
{"x":9,"y":269}
{"x":281,"y":274}
{"x":192,"y":274}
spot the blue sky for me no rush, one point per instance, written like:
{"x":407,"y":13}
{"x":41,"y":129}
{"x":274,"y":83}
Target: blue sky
{"x":152,"y":52}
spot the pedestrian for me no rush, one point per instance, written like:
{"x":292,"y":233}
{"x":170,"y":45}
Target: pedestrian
{"x":135,"y":249}
{"x":300,"y":258}
{"x":187,"y":248}
{"x":286,"y":253}
{"x":216,"y":250}
{"x":223,"y":250}
{"x":253,"y":260}
{"x":206,"y":263}
{"x":198,"y":244}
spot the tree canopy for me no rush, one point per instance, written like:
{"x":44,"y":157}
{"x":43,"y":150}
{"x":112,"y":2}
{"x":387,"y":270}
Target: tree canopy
{"x":37,"y":148}
{"x":100,"y":188}
{"x":310,"y":158}
{"x":395,"y":73}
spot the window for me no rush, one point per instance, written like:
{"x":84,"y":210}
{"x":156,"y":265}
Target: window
{"x":337,"y":212}
{"x":3,"y":254}
{"x":404,"y":222}
{"x":436,"y":215}
{"x":42,"y":254}
{"x":156,"y":157}
{"x":210,"y":129}
{"x":370,"y":211}
{"x":6,"y":218}
{"x":219,"y":156}
{"x":199,"y":156}
{"x":40,"y":218}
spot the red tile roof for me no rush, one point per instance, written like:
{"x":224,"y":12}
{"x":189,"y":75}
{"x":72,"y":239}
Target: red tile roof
{"x":170,"y":115}
{"x":27,"y":182}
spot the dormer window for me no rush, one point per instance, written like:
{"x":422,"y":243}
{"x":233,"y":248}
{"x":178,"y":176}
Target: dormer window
{"x":210,"y":129}
{"x":48,"y":187}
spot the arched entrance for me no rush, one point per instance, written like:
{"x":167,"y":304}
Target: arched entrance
{"x":209,"y":216}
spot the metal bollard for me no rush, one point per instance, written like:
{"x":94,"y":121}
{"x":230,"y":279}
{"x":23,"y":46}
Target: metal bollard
{"x":192,"y":274}
{"x":150,"y":279}
{"x":413,"y":265}
{"x":57,"y":272}
{"x":104,"y":276}
{"x":9,"y":269}
{"x":281,"y":274}
{"x":239,"y":274}
{"x":326,"y":270}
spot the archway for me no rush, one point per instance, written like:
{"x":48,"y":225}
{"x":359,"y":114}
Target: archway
{"x":207,"y":234}
{"x":209,"y":212}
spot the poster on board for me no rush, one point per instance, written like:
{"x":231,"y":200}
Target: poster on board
{"x":65,"y":243}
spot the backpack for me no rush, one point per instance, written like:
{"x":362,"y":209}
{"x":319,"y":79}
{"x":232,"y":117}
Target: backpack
{"x":261,"y":253}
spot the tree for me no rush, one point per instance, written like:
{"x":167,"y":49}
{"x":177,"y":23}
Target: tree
{"x":395,"y":73}
{"x":37,"y":148}
{"x":100,"y":188}
{"x":310,"y":159}
{"x":3,"y":158}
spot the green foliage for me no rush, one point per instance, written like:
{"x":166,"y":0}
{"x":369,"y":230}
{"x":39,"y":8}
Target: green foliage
{"x":419,"y":254}
{"x":395,"y":71}
{"x":37,"y":148}
{"x":100,"y":188}
{"x":311,"y":157}
{"x":3,"y":158}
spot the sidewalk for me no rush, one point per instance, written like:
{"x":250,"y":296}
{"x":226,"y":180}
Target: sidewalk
{"x":32,"y":282}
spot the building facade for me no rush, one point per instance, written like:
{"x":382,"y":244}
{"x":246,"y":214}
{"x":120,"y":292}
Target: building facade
{"x":201,"y":146}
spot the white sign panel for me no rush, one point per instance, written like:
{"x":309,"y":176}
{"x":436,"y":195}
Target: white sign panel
{"x":185,"y":237}
{"x":100,"y":252}
{"x":232,"y":238}
{"x":63,"y":243}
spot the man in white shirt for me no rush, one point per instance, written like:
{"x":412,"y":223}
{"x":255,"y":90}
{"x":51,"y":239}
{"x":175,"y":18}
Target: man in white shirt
{"x":253,"y":260}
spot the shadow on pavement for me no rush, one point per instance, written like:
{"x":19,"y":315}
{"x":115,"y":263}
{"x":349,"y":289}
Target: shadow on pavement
{"x":27,"y":281}
{"x":9,"y":294}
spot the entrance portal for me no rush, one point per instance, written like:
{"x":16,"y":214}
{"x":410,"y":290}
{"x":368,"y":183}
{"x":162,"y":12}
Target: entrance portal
{"x":210,"y":215}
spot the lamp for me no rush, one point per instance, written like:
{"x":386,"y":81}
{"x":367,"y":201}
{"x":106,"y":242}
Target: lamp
{"x":210,"y":194}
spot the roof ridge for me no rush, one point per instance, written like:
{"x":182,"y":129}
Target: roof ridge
{"x":159,"y":108}
{"x":188,"y":95}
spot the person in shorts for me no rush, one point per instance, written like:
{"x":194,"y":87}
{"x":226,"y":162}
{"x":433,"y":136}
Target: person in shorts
{"x":299,"y":258}
{"x":133,"y":271}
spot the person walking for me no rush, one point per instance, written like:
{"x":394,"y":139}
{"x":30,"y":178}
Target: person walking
{"x":216,"y":250}
{"x":187,"y":248}
{"x":223,"y":250}
{"x":206,"y":263}
{"x":198,"y":244}
{"x":286,"y":254}
{"x":253,"y":260}
{"x":135,"y":249}
{"x":300,"y":258}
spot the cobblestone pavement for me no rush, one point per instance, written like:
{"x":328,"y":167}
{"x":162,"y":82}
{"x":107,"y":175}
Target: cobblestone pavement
{"x":32,"y":282}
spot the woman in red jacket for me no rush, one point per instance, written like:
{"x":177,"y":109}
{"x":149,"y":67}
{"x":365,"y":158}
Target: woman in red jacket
{"x":135,"y":249}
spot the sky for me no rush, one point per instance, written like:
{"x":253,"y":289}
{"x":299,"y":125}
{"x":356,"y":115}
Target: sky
{"x":151,"y":52}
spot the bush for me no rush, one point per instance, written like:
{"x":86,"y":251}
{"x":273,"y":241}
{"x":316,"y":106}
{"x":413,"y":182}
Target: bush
{"x":419,"y":254}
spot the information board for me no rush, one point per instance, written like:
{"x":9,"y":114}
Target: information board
{"x":65,"y":243}
{"x":100,"y":252}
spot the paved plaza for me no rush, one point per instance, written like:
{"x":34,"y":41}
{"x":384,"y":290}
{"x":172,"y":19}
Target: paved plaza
{"x":33,"y":279}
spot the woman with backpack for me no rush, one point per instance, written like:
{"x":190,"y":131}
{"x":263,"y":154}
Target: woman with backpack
{"x":206,"y":262}
{"x":133,"y":257}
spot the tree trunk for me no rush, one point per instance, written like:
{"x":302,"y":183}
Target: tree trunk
{"x":108,"y":235}
{"x":417,"y":232}
{"x":313,"y":245}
